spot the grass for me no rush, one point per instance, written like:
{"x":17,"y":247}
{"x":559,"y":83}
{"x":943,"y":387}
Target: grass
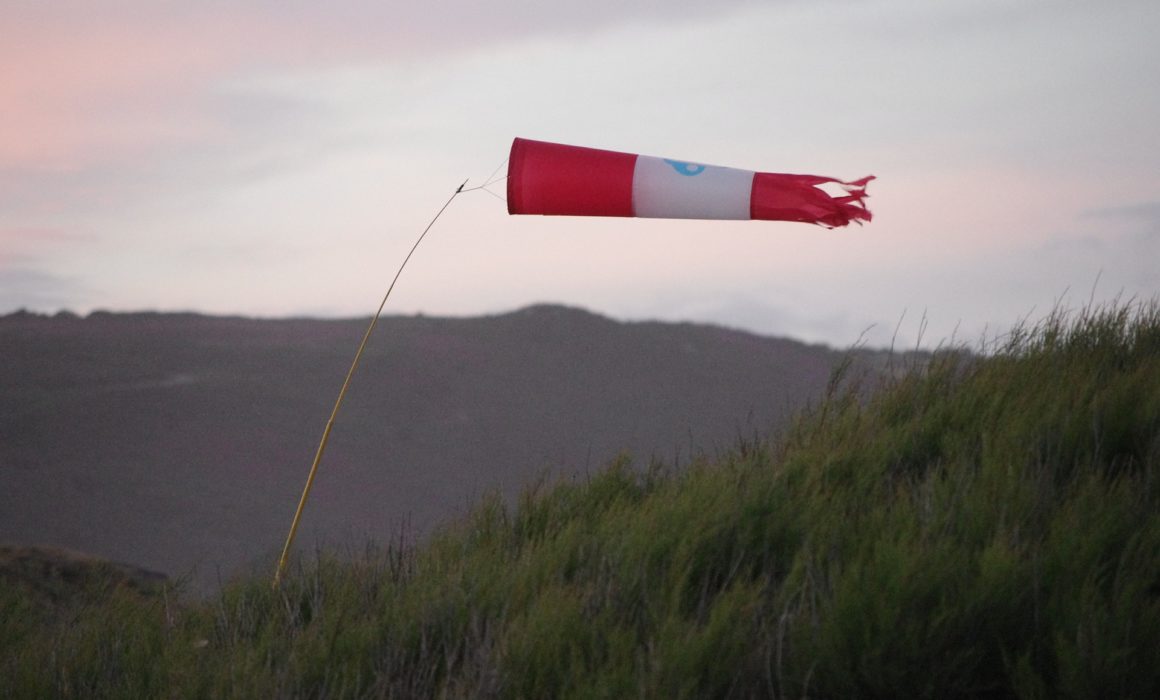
{"x":984,"y":525}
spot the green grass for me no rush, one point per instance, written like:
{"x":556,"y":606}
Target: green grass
{"x":985,"y":525}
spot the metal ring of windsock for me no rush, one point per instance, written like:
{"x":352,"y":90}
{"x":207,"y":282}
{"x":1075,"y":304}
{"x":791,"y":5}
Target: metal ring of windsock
{"x":554,"y":179}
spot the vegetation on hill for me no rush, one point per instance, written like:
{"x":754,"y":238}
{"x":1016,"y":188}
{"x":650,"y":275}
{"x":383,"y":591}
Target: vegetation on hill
{"x":982,"y":526}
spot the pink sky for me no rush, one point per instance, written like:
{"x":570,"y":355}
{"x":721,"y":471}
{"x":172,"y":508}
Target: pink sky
{"x":280,"y":159}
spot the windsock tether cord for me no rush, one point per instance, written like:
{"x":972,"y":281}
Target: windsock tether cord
{"x":350,"y":373}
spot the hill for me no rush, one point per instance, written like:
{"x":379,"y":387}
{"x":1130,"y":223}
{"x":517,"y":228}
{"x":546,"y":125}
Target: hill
{"x":181,"y":442}
{"x":56,"y":577}
{"x":978,"y":527}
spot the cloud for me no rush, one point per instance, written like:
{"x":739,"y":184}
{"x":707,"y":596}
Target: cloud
{"x":16,"y":236}
{"x":106,"y":108}
{"x":23,"y":287}
{"x":1141,"y":211}
{"x":24,"y":243}
{"x":81,"y":85}
{"x":25,"y":278}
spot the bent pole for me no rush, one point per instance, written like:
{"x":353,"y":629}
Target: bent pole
{"x":342,"y":395}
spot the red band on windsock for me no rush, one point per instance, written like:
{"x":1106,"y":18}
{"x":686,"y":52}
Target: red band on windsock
{"x":779,"y":197}
{"x":551,"y":178}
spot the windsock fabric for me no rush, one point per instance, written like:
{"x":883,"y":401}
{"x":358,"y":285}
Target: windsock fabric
{"x":554,"y":179}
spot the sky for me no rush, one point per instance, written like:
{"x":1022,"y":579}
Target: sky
{"x":280,"y":158}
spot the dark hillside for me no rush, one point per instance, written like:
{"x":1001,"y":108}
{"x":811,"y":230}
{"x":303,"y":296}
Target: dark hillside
{"x":181,"y":442}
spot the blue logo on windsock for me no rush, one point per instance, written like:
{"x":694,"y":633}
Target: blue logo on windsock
{"x":684,"y":168}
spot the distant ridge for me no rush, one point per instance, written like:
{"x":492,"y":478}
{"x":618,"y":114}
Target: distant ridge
{"x":180,"y":441}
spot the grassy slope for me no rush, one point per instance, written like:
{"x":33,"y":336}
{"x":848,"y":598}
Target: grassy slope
{"x":983,"y":527}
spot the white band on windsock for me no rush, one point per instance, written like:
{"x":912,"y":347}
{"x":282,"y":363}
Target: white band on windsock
{"x":671,"y":189}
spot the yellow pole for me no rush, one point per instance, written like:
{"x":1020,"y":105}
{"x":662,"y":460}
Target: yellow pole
{"x":342,"y":394}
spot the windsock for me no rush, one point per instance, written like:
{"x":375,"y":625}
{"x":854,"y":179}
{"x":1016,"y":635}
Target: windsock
{"x":554,"y":179}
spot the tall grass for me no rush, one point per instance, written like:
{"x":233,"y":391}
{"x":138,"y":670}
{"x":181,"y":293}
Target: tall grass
{"x":985,"y":525}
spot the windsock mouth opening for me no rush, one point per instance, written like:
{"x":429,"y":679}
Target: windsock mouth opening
{"x":559,"y":180}
{"x":515,"y":190}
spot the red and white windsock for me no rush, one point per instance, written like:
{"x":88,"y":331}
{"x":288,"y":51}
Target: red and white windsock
{"x":554,"y":179}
